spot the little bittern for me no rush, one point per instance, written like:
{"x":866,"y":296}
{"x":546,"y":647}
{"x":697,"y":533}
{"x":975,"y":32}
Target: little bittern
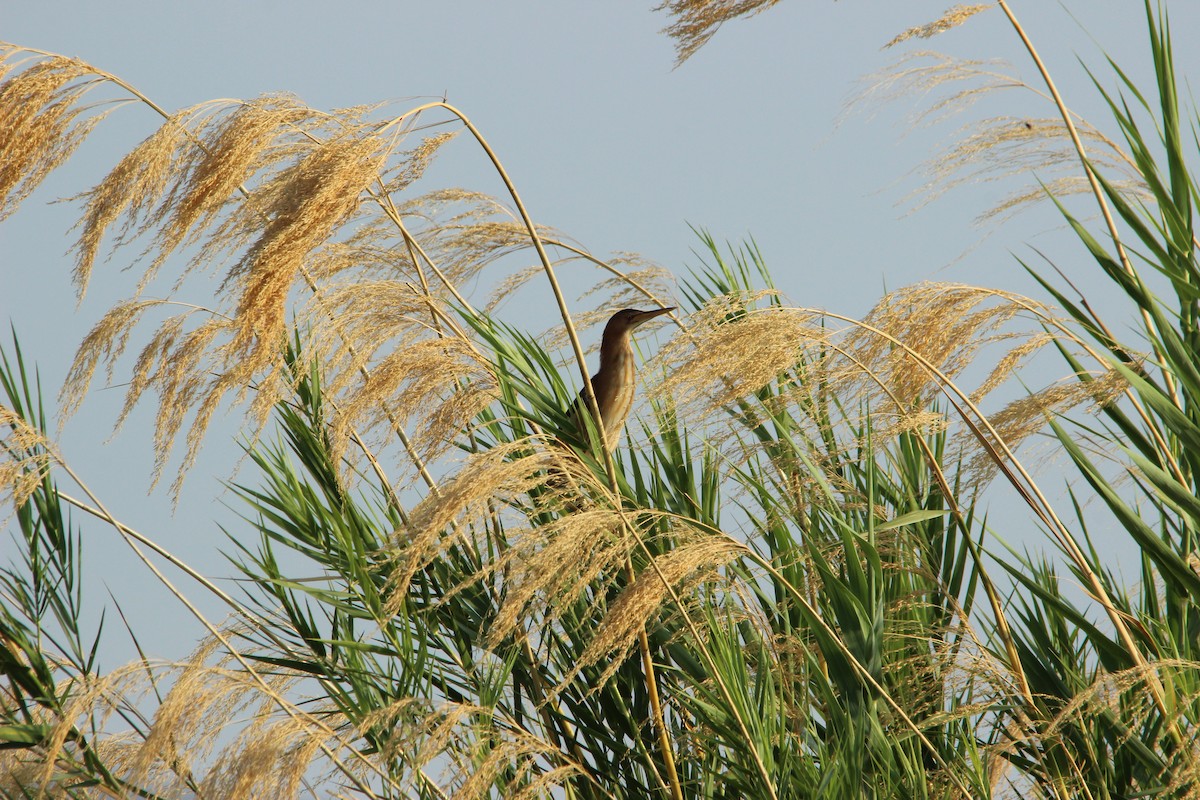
{"x":614,"y":383}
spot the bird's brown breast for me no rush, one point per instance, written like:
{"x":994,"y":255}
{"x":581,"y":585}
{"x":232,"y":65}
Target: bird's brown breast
{"x":614,"y":388}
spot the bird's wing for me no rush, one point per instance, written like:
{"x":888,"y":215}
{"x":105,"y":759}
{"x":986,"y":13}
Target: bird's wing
{"x":578,"y":416}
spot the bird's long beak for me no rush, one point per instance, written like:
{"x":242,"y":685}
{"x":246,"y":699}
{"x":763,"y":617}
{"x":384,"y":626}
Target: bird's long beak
{"x":646,"y":316}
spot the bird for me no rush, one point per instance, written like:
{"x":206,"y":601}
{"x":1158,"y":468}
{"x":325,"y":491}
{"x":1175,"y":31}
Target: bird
{"x":613,"y":383}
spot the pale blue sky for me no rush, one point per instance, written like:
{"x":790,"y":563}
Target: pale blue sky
{"x":603,"y":139}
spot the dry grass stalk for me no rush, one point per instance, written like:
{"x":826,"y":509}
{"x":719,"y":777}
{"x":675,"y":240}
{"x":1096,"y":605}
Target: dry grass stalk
{"x":40,"y":768}
{"x":1009,"y":363}
{"x":949,"y":326}
{"x":545,"y":783}
{"x":373,"y":318}
{"x":441,"y":732}
{"x":641,"y":281}
{"x":186,"y":731}
{"x":52,"y":768}
{"x":727,"y":354}
{"x":186,"y":724}
{"x":392,"y":355}
{"x":105,"y":343}
{"x":398,"y":720}
{"x":515,"y":281}
{"x":547,"y":568}
{"x":132,"y":191}
{"x":1061,"y":186}
{"x":413,"y":163}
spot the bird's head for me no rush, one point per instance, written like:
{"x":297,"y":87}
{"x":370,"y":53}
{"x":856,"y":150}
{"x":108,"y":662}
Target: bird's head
{"x":627,"y":319}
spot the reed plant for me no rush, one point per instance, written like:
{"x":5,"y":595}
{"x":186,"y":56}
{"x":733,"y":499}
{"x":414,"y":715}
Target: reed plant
{"x":781,"y":585}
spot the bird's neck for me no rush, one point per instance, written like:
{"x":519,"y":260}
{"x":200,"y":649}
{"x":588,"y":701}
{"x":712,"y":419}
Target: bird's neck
{"x":615,"y":353}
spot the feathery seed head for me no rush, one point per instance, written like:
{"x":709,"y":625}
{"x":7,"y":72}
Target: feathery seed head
{"x":279,"y":181}
{"x":951,"y":19}
{"x":26,"y":457}
{"x":728,"y":351}
{"x":502,"y":473}
{"x":435,"y":386}
{"x":40,"y":123}
{"x":689,"y":564}
{"x":696,"y":21}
